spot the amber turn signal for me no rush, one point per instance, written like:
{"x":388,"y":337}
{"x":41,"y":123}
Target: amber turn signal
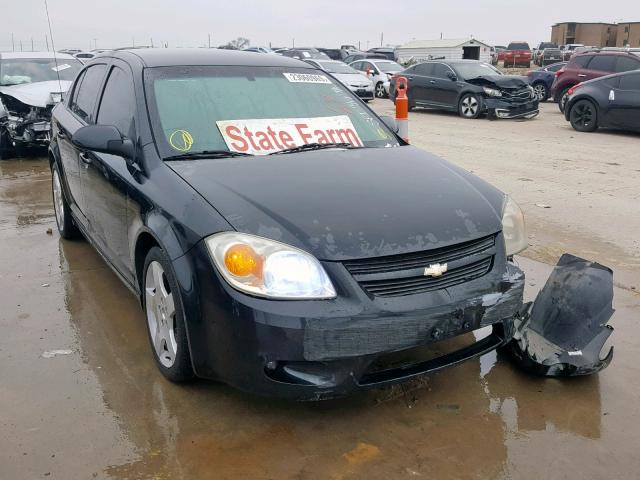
{"x":242,"y":260}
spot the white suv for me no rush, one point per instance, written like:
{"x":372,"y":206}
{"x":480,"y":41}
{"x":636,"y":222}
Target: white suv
{"x":380,"y":71}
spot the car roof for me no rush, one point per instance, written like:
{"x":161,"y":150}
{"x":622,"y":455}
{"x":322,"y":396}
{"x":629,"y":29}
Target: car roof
{"x":165,"y":57}
{"x":13,"y":55}
{"x":605,"y":52}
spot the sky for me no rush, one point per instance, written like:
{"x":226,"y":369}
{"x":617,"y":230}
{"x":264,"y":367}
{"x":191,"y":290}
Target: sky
{"x":90,"y":24}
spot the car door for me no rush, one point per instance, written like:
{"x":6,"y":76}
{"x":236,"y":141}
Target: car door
{"x":443,"y":86}
{"x":624,"y":103}
{"x":76,"y":114}
{"x":106,"y":177}
{"x":421,"y":84}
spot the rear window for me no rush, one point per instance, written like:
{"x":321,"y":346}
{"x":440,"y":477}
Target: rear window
{"x":518,"y":46}
{"x":603,"y":63}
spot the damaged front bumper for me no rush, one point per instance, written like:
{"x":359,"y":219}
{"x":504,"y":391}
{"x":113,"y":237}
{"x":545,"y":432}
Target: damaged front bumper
{"x":311,"y":350}
{"x":563,"y":332}
{"x":500,"y":108}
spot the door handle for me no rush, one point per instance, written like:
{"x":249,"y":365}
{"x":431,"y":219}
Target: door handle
{"x":581,"y":75}
{"x":432,"y":81}
{"x":85,"y":158}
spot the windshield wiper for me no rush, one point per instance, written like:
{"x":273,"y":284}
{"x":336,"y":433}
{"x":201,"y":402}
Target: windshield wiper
{"x":313,"y":146}
{"x":207,"y":154}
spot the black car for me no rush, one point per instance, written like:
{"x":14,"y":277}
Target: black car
{"x":332,"y":53}
{"x":303,"y":273}
{"x":388,"y":52}
{"x":606,"y":102}
{"x":469,"y":87}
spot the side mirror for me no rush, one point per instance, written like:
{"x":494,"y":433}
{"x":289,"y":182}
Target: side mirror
{"x":452,"y":76}
{"x":104,"y":139}
{"x":390,"y":122}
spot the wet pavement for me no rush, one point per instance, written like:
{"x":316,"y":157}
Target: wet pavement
{"x":104,"y":411}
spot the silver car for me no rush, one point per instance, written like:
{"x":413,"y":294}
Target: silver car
{"x":380,"y":71}
{"x":349,"y":77}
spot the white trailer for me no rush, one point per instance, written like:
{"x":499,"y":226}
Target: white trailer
{"x":449,"y":49}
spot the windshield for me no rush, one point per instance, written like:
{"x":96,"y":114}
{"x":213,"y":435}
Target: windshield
{"x":14,"y":71}
{"x":255,"y":110}
{"x":467,"y":71}
{"x":337,"y":67}
{"x":389,"y":66}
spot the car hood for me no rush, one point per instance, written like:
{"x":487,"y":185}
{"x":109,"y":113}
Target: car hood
{"x":347,"y":204}
{"x":499,"y":81}
{"x":352,"y":78}
{"x":37,"y":94}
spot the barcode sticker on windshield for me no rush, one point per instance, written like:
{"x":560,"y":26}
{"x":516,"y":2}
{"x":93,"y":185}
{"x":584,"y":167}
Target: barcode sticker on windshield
{"x":267,"y":135}
{"x":306,"y":78}
{"x":59,"y":68}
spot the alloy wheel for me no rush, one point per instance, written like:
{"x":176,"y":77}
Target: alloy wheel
{"x":380,"y":92}
{"x":583,"y":115}
{"x":161,"y":314}
{"x":58,"y":199}
{"x":540,"y":91}
{"x":469,"y":106}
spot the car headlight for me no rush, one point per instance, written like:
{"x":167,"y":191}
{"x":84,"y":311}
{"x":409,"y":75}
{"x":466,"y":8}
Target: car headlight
{"x":267,"y":268}
{"x":532,"y":92}
{"x":513,"y":229}
{"x":492,"y":92}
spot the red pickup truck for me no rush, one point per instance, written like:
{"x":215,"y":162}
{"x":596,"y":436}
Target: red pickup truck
{"x":517,"y":54}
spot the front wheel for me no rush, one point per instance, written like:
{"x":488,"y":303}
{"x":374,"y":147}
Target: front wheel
{"x":563,"y":99}
{"x":469,"y":106}
{"x":6,"y":149}
{"x":165,"y":318}
{"x":380,"y":91}
{"x":540,"y":89}
{"x":584,"y":116}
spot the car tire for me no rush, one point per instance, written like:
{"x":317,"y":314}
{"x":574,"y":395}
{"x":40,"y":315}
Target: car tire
{"x":584,"y":116}
{"x":470,"y":106}
{"x":380,"y":91}
{"x":6,"y":149}
{"x":165,"y":318}
{"x":66,"y":225}
{"x":562,"y":99}
{"x":541,"y":90}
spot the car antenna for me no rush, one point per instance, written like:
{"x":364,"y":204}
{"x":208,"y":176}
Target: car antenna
{"x":53,"y":47}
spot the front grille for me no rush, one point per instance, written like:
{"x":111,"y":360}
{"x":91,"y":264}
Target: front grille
{"x":399,"y":275}
{"x":520,"y":94}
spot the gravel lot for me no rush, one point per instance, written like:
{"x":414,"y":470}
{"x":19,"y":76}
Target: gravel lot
{"x":99,"y":408}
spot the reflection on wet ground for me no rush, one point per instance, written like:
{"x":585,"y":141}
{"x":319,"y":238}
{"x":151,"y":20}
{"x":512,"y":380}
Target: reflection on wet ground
{"x":105,"y":412}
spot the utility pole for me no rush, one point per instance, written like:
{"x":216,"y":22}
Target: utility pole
{"x":293,"y":42}
{"x":13,"y":43}
{"x":133,"y":41}
{"x":46,"y":39}
{"x":381,"y":38}
{"x":209,"y":40}
{"x":151,"y":42}
{"x":32,"y":44}
{"x":95,"y":43}
{"x":20,"y":45}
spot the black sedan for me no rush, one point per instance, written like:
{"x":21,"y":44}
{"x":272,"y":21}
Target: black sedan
{"x":279,"y":235}
{"x":606,"y":102}
{"x":470,"y":88}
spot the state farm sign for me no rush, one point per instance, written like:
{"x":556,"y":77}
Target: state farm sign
{"x":268,"y":135}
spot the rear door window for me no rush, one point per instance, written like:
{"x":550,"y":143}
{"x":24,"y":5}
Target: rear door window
{"x":626,"y":64}
{"x":87,"y":94}
{"x":603,"y":63}
{"x":424,"y":69}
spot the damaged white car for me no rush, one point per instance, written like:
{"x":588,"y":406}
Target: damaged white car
{"x":31,"y":84}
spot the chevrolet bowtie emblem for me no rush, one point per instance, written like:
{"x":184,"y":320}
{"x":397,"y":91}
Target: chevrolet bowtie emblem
{"x":435,"y":270}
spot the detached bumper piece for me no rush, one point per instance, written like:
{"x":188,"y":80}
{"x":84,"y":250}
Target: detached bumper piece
{"x":563,"y":332}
